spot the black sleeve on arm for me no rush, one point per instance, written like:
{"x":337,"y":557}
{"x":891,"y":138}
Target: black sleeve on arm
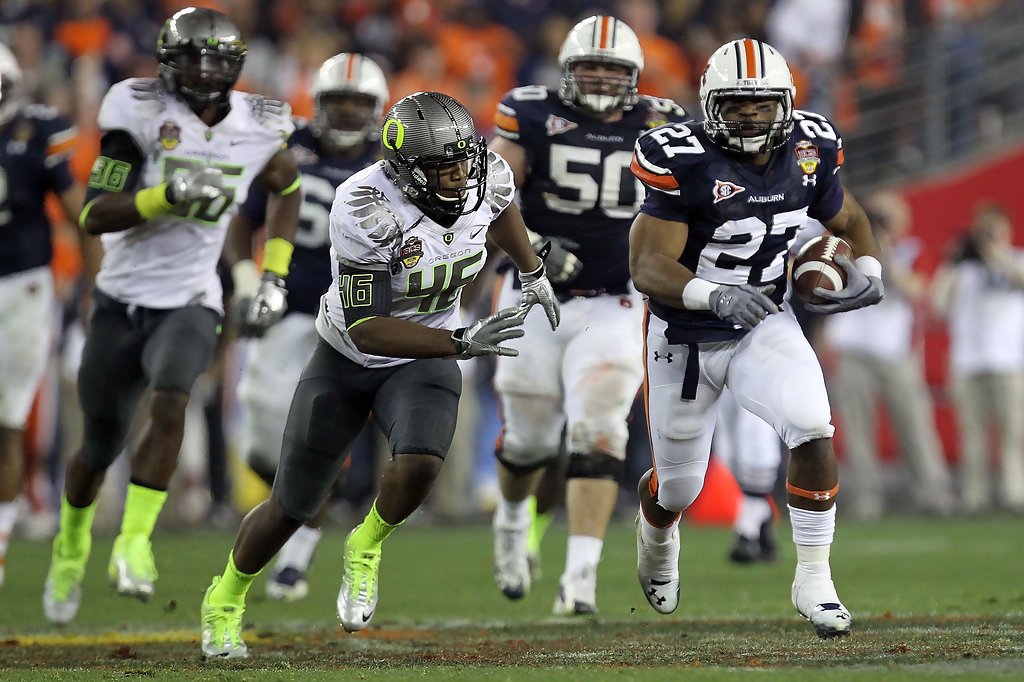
{"x":364,"y":293}
{"x":117,"y":168}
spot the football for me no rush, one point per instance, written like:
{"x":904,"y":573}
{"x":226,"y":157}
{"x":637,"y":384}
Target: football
{"x":815,"y":266}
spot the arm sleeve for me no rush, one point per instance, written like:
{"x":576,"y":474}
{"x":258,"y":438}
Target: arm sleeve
{"x":365,"y":293}
{"x":117,"y":168}
{"x":61,"y":139}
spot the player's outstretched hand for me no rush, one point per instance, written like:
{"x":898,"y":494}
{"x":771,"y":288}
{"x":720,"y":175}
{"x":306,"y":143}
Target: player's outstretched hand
{"x":860,"y":291}
{"x":202,"y":183}
{"x":264,"y":309}
{"x":745,"y":305}
{"x":484,"y":337}
{"x":537,"y":291}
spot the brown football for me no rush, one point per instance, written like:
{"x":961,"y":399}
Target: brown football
{"x":814,"y":266}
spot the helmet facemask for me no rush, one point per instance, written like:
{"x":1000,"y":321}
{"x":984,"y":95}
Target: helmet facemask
{"x":599,"y":94}
{"x":202,"y":77}
{"x":758,"y":133}
{"x":347,"y":118}
{"x":451,"y":185}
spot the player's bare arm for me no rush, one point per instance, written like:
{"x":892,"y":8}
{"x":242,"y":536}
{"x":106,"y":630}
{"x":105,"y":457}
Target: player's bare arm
{"x":654,"y":249}
{"x":281,"y":179}
{"x":509,"y":233}
{"x":864,"y":275}
{"x":852,"y":225}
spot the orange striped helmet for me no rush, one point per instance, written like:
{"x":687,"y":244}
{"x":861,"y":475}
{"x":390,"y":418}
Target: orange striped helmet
{"x":349,"y":73}
{"x":600,"y":39}
{"x":747,"y":69}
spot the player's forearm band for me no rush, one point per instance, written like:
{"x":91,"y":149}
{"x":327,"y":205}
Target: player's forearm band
{"x":152,"y":201}
{"x":697,"y":294}
{"x":277,"y":256}
{"x":816,"y":495}
{"x":292,"y":187}
{"x":870,"y":266}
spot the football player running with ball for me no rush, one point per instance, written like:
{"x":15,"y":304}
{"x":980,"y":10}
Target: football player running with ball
{"x":724,"y":202}
{"x":570,"y":151}
{"x":177,"y":152}
{"x":407,"y":234}
{"x":349,"y":94}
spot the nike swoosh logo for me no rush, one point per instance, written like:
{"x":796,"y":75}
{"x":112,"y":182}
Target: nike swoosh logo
{"x":473,"y":236}
{"x":367,"y":617}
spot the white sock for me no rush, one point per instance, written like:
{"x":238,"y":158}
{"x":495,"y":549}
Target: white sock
{"x":513,"y":514}
{"x":754,"y":511}
{"x":653,"y":534}
{"x":812,"y":533}
{"x":582,"y":551}
{"x":298,"y":551}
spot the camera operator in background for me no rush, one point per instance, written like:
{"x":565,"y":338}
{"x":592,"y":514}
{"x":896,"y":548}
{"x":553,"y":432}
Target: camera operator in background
{"x":981,"y":292}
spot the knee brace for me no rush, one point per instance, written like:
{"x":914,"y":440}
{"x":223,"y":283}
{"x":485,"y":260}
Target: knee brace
{"x":595,"y":465}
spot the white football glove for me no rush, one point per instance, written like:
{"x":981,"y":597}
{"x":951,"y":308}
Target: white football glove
{"x":202,"y":183}
{"x":537,"y":290}
{"x":260,"y":312}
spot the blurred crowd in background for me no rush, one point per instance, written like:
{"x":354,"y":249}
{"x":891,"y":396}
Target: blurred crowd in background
{"x":844,"y":54}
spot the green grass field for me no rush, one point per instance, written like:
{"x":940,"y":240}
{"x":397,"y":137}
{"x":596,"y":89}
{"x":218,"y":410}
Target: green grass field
{"x":931,"y":599}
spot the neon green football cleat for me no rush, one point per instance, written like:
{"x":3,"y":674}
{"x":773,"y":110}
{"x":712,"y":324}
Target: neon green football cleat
{"x":357,"y":599}
{"x":222,"y":628}
{"x":132,"y":569}
{"x":62,"y":593}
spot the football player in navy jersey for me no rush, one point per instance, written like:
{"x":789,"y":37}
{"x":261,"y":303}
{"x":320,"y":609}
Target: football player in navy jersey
{"x":34,"y":147}
{"x":570,"y":151}
{"x":349,"y":93}
{"x":724,"y":202}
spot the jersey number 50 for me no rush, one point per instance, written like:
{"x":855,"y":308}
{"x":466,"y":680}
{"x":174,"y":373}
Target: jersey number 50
{"x":605,"y":191}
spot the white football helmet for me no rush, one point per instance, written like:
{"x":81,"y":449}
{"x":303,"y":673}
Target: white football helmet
{"x":750,"y":69}
{"x":10,"y":79}
{"x":349,"y":73}
{"x":600,"y":39}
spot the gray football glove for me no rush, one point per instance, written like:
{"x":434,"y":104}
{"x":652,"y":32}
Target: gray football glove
{"x":484,"y":337}
{"x":199,"y":184}
{"x":561,"y":263}
{"x":745,"y":305}
{"x":860,"y":291}
{"x":264,"y":309}
{"x":537,"y":290}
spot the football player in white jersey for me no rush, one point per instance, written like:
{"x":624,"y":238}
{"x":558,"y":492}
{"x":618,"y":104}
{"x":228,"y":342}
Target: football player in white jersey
{"x":177,"y":153}
{"x":35,"y":143}
{"x":349,"y":94}
{"x":407,"y":234}
{"x":725,"y":201}
{"x":569,"y":149}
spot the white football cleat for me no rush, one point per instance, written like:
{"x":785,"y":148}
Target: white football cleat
{"x":577,"y":593}
{"x":511,"y":566}
{"x":816,"y":600}
{"x":657,"y":567}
